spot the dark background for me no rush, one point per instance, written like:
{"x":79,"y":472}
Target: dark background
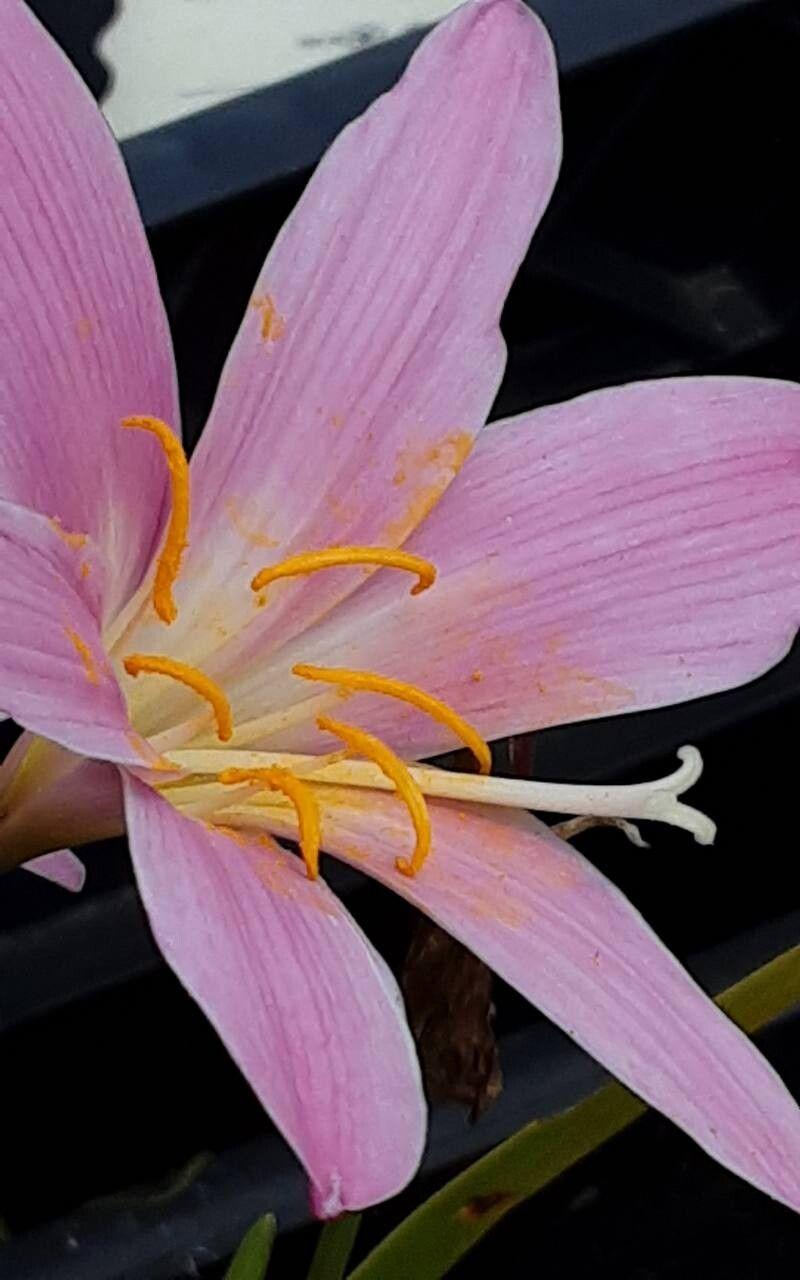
{"x":671,"y":247}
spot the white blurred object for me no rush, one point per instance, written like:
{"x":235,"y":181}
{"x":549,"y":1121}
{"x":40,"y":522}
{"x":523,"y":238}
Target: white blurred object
{"x":171,"y":58}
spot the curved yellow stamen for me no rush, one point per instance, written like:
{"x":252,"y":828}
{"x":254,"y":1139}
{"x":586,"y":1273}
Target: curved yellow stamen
{"x":301,"y":796}
{"x":175,"y":539}
{"x":364,"y":744}
{"x":154,"y":664}
{"x":336,"y":557}
{"x":369,"y":682}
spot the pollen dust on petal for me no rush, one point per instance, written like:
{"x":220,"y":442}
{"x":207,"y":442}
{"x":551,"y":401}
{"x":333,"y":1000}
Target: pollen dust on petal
{"x":569,"y":692}
{"x":494,"y":901}
{"x":498,"y":912}
{"x":424,"y":473}
{"x":74,"y":540}
{"x":86,"y":569}
{"x":230,"y":833}
{"x":85,"y":654}
{"x":354,"y":853}
{"x":283,"y":874}
{"x":273,"y":324}
{"x":246,"y":522}
{"x":84,"y":328}
{"x":340,"y":508}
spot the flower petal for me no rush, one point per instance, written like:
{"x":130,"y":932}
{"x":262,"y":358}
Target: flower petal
{"x":632,"y":548}
{"x":54,"y":675}
{"x":83,"y":335}
{"x":371,"y":352}
{"x":552,"y":926}
{"x":50,"y":797}
{"x":306,"y":1007}
{"x":60,"y":867}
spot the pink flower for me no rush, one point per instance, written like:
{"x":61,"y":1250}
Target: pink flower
{"x":629,"y":549}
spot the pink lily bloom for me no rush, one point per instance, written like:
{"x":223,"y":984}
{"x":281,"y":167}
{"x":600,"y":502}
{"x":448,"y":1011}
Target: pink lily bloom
{"x":216,"y":658}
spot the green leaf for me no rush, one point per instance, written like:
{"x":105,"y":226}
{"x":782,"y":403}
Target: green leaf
{"x":437,"y":1234}
{"x":334,"y":1248}
{"x":251,"y":1259}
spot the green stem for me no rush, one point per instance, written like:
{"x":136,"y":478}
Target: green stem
{"x":334,"y":1248}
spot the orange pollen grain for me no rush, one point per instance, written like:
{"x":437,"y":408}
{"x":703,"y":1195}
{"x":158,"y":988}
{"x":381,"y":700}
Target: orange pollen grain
{"x":337,"y":557}
{"x":273,"y":325}
{"x":155,"y":664}
{"x":392,"y":767}
{"x":176,"y":538}
{"x":369,"y":682}
{"x":85,"y":654}
{"x":301,"y":796}
{"x":231,"y":833}
{"x":74,"y":540}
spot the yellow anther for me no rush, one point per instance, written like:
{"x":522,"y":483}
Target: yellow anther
{"x":365,"y":744}
{"x":368,"y":682}
{"x":336,"y":557}
{"x":175,"y":539}
{"x":301,"y":796}
{"x":154,"y":664}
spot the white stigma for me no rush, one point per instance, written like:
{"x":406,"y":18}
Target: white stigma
{"x":657,"y":801}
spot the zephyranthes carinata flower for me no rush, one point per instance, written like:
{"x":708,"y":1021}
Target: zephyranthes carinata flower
{"x":236,"y":652}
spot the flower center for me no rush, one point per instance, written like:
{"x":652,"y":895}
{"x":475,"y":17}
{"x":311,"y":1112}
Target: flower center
{"x":357,"y":741}
{"x":208,"y":774}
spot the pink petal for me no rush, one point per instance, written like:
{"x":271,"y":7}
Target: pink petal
{"x":629,"y":549}
{"x":50,"y":797}
{"x":60,"y":867}
{"x":83,"y":336}
{"x":54,"y":675}
{"x":551,"y":925}
{"x":306,"y":1007}
{"x":389,"y":279}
